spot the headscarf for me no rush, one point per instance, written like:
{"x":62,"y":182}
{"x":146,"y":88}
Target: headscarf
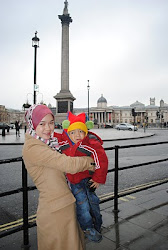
{"x":33,"y":117}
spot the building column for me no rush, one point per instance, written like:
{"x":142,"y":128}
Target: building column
{"x":108,"y":117}
{"x":98,"y":117}
{"x":102,"y":117}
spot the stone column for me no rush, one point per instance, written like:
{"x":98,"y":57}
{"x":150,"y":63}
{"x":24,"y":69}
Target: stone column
{"x":99,"y":118}
{"x":64,"y":97}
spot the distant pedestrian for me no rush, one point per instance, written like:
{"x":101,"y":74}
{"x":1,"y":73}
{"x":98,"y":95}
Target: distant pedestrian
{"x":17,"y":127}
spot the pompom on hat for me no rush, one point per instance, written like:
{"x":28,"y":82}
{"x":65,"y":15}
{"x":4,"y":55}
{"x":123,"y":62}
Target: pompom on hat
{"x":77,"y":122}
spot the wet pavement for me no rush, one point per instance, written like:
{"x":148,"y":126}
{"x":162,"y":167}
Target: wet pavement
{"x":105,"y":134}
{"x":140,"y":224}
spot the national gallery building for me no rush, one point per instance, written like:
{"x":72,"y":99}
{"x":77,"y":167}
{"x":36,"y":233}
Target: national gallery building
{"x":137,"y":112}
{"x":151,"y":115}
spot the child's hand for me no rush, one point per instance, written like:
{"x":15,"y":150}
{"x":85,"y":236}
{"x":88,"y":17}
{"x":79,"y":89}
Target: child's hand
{"x":94,"y":184}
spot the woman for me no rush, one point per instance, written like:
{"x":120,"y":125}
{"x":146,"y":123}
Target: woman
{"x":57,"y":227}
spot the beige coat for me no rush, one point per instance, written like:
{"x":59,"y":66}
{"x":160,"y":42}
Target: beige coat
{"x":57,"y":227}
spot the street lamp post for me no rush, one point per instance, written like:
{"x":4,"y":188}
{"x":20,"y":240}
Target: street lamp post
{"x":35,"y":44}
{"x":28,"y":95}
{"x":88,"y":87}
{"x":42,"y":97}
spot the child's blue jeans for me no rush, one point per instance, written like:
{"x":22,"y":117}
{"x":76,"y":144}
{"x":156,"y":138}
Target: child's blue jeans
{"x":87,"y":206}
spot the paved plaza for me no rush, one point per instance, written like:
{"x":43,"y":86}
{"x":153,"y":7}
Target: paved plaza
{"x":142,"y":223}
{"x":105,"y":134}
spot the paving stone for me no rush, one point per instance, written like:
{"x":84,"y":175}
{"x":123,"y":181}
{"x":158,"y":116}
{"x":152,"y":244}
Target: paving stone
{"x":147,"y":219}
{"x":161,"y":228}
{"x":124,"y":232}
{"x":127,"y":209}
{"x":148,"y":241}
{"x":105,"y":244}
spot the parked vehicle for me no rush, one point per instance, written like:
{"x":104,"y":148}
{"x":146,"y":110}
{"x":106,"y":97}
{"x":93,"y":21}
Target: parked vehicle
{"x":12,"y":126}
{"x":108,"y":125}
{"x":4,"y":125}
{"x":126,"y":126}
{"x":57,"y":125}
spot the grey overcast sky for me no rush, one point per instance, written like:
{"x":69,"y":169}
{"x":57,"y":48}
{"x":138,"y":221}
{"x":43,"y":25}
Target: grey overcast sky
{"x":120,"y":46}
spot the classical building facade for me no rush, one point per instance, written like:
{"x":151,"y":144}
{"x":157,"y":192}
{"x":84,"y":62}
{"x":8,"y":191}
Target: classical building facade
{"x":11,"y":115}
{"x":151,"y":115}
{"x":4,"y":117}
{"x":137,"y":112}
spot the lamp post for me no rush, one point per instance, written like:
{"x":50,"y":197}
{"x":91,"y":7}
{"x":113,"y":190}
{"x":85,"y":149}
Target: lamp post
{"x":88,"y":87}
{"x":28,"y":95}
{"x":35,"y":44}
{"x":42,"y":97}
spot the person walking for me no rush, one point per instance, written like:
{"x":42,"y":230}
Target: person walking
{"x":17,"y":127}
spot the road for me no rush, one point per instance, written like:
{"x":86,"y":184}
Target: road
{"x":11,"y":206}
{"x":137,"y":155}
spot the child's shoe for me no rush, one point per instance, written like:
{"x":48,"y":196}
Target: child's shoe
{"x":93,"y":234}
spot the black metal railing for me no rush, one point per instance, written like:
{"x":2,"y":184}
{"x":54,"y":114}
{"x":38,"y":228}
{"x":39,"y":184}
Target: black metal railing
{"x":26,"y":224}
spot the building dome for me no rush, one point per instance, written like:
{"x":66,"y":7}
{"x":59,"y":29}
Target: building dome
{"x":137,"y":105}
{"x":101,"y":99}
{"x":102,"y":102}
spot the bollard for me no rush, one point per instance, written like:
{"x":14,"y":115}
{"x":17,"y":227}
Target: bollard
{"x":8,"y":130}
{"x":3,"y":131}
{"x":25,"y":244}
{"x":116,"y":210}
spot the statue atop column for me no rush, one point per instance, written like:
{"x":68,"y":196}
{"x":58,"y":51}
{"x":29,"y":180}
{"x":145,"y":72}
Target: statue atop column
{"x":65,"y":11}
{"x":65,"y":17}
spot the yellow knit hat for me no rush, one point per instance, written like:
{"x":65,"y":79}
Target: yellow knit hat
{"x":77,"y":122}
{"x":78,"y":125}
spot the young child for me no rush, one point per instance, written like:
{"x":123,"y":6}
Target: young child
{"x":76,"y":140}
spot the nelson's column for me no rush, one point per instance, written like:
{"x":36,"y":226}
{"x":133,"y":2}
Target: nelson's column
{"x":64,"y":98}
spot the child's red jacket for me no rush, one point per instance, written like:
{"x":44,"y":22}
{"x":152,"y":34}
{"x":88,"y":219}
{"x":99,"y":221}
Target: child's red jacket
{"x":91,"y":145}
